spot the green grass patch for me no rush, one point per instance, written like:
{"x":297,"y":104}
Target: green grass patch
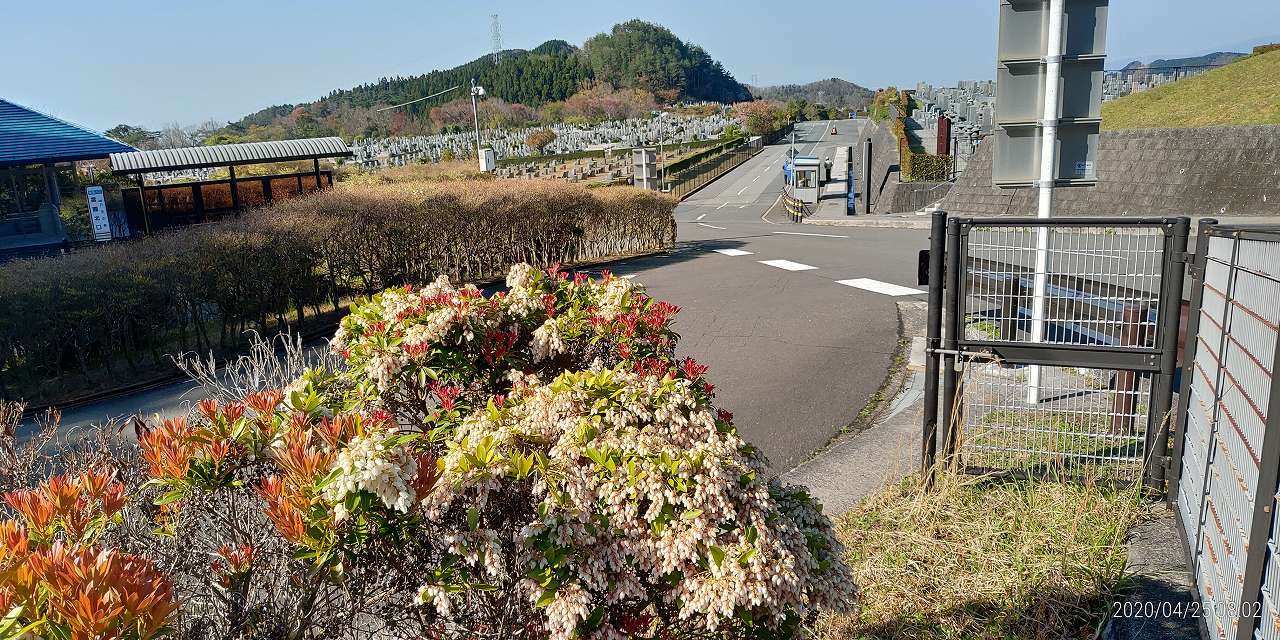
{"x":1072,"y":443}
{"x":977,"y":559}
{"x":1244,"y":92}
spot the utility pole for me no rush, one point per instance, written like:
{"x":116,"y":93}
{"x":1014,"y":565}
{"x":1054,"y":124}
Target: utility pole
{"x":1048,"y":148}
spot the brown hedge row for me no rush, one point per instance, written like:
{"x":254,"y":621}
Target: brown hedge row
{"x":109,"y":315}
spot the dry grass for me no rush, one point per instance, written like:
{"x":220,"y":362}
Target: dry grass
{"x":980,"y":559}
{"x":351,"y":175}
{"x":1244,"y":92}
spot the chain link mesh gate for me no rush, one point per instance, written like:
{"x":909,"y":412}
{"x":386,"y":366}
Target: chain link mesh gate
{"x":1106,"y":295}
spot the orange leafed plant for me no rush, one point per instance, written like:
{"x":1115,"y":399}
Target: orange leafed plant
{"x":55,"y":582}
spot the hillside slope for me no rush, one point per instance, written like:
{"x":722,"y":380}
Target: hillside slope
{"x":832,"y":91}
{"x":1244,"y":92}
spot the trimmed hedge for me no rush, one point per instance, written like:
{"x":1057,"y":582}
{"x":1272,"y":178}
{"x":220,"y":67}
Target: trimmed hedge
{"x":916,"y":166}
{"x":108,"y":315}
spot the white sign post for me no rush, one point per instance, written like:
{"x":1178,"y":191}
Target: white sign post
{"x":1048,"y":157}
{"x":98,"y":214}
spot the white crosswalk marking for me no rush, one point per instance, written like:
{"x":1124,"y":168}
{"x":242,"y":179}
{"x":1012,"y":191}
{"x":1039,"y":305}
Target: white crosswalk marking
{"x":732,"y":252}
{"x":787,"y":264}
{"x":814,"y":235}
{"x":876,"y":286}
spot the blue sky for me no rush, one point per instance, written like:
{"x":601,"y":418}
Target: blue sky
{"x":153,"y":62}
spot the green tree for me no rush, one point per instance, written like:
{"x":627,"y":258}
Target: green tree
{"x":759,"y":116}
{"x":538,"y":140}
{"x":133,"y":136}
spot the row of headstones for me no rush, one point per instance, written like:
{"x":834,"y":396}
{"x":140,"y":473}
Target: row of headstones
{"x":1117,"y":84}
{"x":508,"y":143}
{"x":606,"y":169}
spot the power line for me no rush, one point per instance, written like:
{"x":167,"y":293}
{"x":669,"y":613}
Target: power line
{"x":434,"y":95}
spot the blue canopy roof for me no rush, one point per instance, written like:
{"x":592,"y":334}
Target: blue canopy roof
{"x":30,"y":137}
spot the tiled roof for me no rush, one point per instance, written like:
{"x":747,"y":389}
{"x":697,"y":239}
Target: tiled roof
{"x":30,"y":137}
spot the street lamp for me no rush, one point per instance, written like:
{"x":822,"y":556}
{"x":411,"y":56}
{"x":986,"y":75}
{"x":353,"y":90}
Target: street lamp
{"x":477,"y":92}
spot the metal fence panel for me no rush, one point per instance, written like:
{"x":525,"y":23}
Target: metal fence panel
{"x":1230,"y":448}
{"x":1104,"y":284}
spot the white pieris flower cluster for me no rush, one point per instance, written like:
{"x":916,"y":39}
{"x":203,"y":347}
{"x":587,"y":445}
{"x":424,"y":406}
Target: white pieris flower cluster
{"x":366,"y":464}
{"x":383,"y":368}
{"x":522,"y":296}
{"x":547,"y":339}
{"x":613,"y":297}
{"x":680,"y":492}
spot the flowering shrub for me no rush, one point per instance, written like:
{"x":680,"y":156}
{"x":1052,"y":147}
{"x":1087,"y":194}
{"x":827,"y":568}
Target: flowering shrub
{"x":532,"y":463}
{"x":56,"y":582}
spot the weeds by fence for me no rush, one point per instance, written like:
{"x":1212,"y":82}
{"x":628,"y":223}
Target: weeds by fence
{"x":110,"y":315}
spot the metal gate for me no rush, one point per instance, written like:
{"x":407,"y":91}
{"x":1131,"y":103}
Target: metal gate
{"x":1227,"y":451}
{"x":1058,"y":346}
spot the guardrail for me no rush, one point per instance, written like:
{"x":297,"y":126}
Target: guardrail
{"x":795,"y":208}
{"x":699,"y":175}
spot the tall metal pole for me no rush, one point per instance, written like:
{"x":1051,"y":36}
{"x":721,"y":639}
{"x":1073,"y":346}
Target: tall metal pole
{"x":953,"y":323}
{"x":866,"y":177}
{"x":1048,"y":151}
{"x":475,"y":114}
{"x":933,"y":342}
{"x":662,"y":168}
{"x":1160,"y":416}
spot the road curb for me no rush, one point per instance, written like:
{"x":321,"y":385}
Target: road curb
{"x":872,"y":223}
{"x":880,"y":453}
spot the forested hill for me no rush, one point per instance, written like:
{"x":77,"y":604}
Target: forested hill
{"x":633,"y":57}
{"x":553,"y":71}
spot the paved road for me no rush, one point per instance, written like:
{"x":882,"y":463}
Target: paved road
{"x":795,"y":354}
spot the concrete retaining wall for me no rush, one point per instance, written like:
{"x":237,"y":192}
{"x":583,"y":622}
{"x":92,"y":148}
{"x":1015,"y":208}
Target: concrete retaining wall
{"x":888,"y":193}
{"x":884,"y":167}
{"x":1197,"y":172}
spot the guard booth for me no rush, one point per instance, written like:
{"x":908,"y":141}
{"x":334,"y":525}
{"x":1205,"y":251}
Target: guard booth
{"x":807,"y":179}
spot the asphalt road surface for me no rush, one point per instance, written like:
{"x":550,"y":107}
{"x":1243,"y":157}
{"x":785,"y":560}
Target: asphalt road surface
{"x":798,"y":323}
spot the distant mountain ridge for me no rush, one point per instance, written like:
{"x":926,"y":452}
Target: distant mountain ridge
{"x":831,"y":91}
{"x":1215,"y":59}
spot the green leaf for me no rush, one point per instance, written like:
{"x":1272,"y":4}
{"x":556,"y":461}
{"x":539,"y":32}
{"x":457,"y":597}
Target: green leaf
{"x":690,"y":514}
{"x":473,"y":518}
{"x":172,"y":496}
{"x":545,"y":599}
{"x":746,"y":556}
{"x":717,"y":554}
{"x":10,"y":622}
